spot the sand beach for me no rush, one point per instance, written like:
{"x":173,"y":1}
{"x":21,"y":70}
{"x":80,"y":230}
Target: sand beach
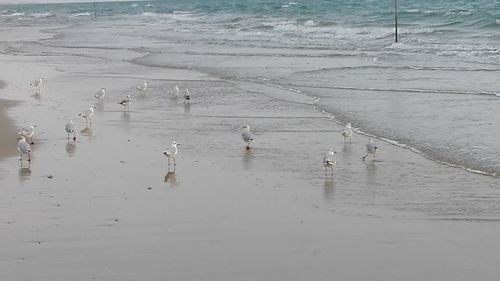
{"x":108,"y":207}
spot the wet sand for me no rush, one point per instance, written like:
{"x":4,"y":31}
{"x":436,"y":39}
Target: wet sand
{"x":8,"y":135}
{"x":107,"y":208}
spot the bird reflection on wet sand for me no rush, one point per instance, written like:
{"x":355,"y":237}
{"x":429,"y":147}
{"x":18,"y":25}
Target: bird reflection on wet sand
{"x":371,"y":172}
{"x":88,"y":132}
{"x":70,"y":148}
{"x":329,"y":189}
{"x":99,"y":107}
{"x":24,"y":173}
{"x":187,"y":108}
{"x":171,"y":178}
{"x":126,"y":116}
{"x":247,"y":160}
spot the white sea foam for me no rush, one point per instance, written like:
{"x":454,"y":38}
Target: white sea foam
{"x":309,"y":23}
{"x":85,"y":14}
{"x":42,"y":15}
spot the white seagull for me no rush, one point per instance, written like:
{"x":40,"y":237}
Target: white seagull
{"x":37,"y":83}
{"x":187,"y":97}
{"x":24,"y":147}
{"x":371,"y":148}
{"x":329,"y":160}
{"x":171,"y":152}
{"x":142,"y":87}
{"x":70,"y":129}
{"x":126,"y":102}
{"x":87,"y":114}
{"x":100,"y":95}
{"x":347,"y":132}
{"x":28,"y":132}
{"x":247,"y":136}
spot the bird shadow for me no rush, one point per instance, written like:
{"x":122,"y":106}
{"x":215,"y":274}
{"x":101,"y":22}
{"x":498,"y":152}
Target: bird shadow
{"x":171,"y":178}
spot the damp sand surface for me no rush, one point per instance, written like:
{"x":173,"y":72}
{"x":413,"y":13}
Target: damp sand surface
{"x":108,"y":206}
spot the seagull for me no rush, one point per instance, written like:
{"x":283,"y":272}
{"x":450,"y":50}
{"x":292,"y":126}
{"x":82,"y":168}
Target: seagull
{"x":24,"y":147}
{"x":347,"y":132}
{"x":172,"y":152}
{"x":174,"y":94}
{"x":371,"y":148}
{"x":100,"y":95}
{"x":247,"y":136}
{"x":187,"y":97}
{"x":37,"y":83}
{"x":329,"y":160}
{"x":87,"y":114}
{"x":142,"y":87}
{"x":28,"y":132}
{"x":70,"y":129}
{"x":126,"y":102}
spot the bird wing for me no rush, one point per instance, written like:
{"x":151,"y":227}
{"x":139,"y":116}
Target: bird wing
{"x":247,"y":136}
{"x":24,"y":147}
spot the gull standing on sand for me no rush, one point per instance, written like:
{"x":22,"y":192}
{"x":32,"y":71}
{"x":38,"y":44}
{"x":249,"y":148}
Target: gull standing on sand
{"x":70,"y":129}
{"x":100,"y":95}
{"x":247,"y":136}
{"x":371,"y":148}
{"x":329,"y":160}
{"x":126,"y":102}
{"x":171,"y":152}
{"x":142,"y":87}
{"x":347,"y":132}
{"x":28,"y":132}
{"x":24,"y":147}
{"x":87,"y":114}
{"x":187,"y":97}
{"x":37,"y":83}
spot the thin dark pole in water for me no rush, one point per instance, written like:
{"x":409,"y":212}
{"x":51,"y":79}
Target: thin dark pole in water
{"x":396,"y":20}
{"x":95,"y":11}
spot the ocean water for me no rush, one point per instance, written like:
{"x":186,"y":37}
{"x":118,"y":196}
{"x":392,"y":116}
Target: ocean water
{"x":436,"y":92}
